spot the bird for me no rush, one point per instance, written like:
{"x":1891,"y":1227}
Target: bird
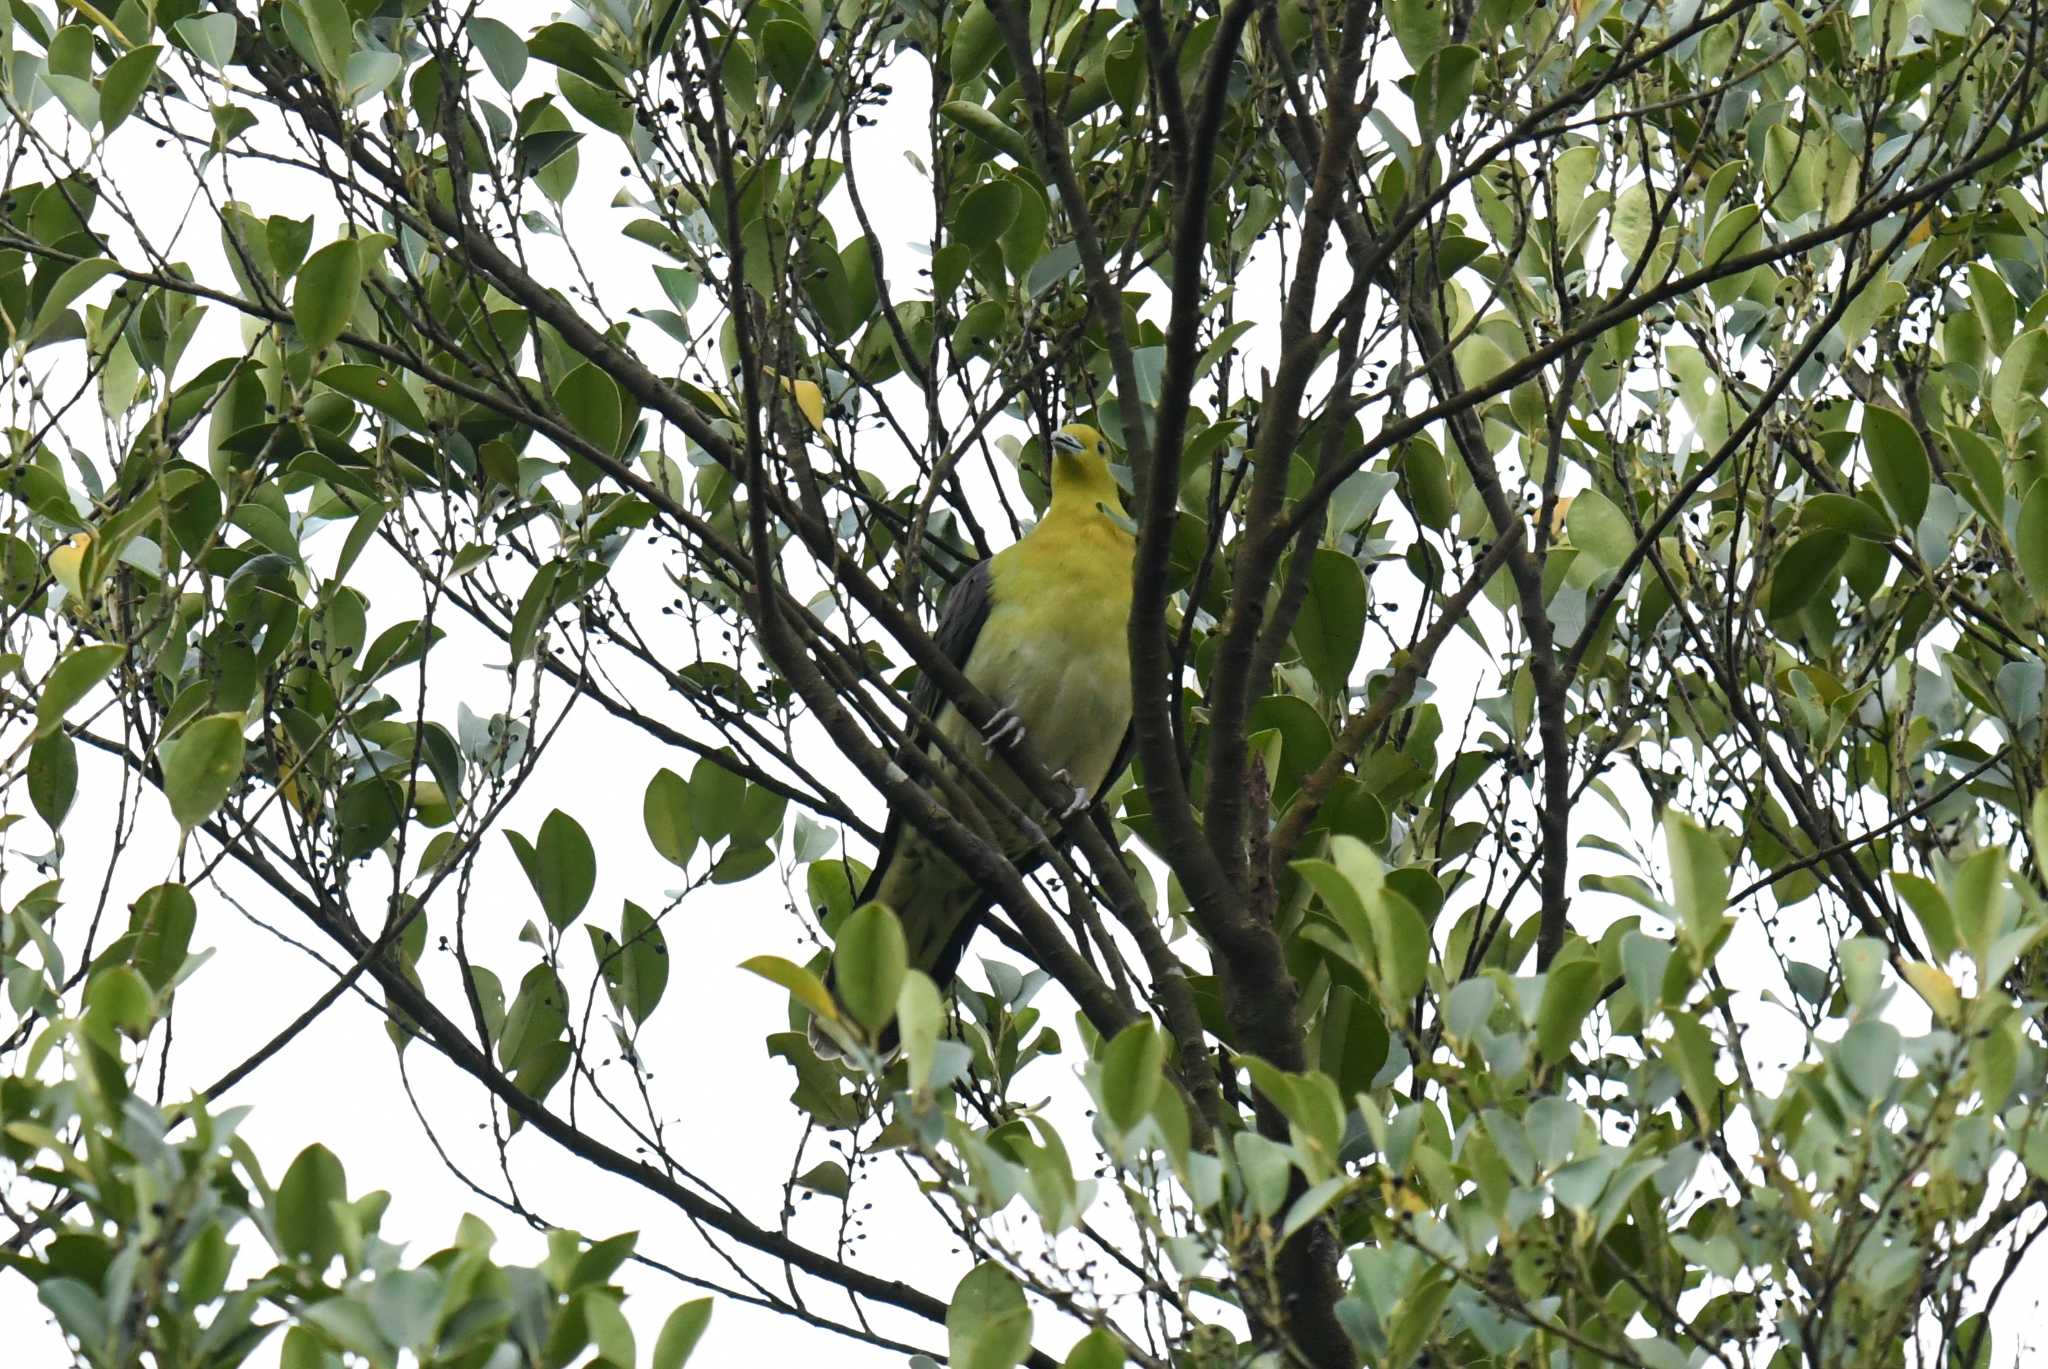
{"x":1040,"y":628}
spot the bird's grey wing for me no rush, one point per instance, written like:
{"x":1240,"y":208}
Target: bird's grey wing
{"x":961,"y":614}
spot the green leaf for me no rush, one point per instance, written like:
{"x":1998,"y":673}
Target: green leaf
{"x":542,"y":147}
{"x":120,"y":998}
{"x":536,"y":606}
{"x":643,"y":953}
{"x":1805,"y":571}
{"x":570,"y":48}
{"x":1310,"y":1205}
{"x":1599,"y":529}
{"x":210,"y":38}
{"x":976,"y":40}
{"x":1331,"y":626}
{"x":1097,"y":1350}
{"x":590,"y":402}
{"x":1427,"y":484}
{"x":920,"y":1017}
{"x":1569,"y":992}
{"x":561,"y":866}
{"x":1354,"y":1040}
{"x":349,"y":1325}
{"x":303,"y":1213}
{"x":830,"y":887}
{"x":1898,"y":461}
{"x":869,"y":960}
{"x":1418,"y":27}
{"x":405,"y":1305}
{"x":77,"y":95}
{"x":741,"y":862}
{"x":1973,"y":1334}
{"x":200,"y":764}
{"x":1402,"y":938}
{"x":378,"y":388}
{"x":538,"y":1017}
{"x":1735,"y":235}
{"x":326,"y":292}
{"x":78,"y":1308}
{"x":1132,"y":1073}
{"x":78,"y":278}
{"x":1868,"y":1057}
{"x":2021,"y":379}
{"x":73,"y":678}
{"x":1266,"y":1166}
{"x":986,"y":213}
{"x":160,"y":924}
{"x":1644,"y":962}
{"x":828,"y":1177}
{"x":984,"y":125}
{"x":789,"y":49}
{"x":1841,"y":513}
{"x":1699,"y":879}
{"x":1631,"y":218}
{"x":609,"y":1332}
{"x":666,"y":811}
{"x":680,"y":1334}
{"x":1692,"y":1050}
{"x":2030,"y":540}
{"x":716,"y":795}
{"x":366,"y":814}
{"x":53,"y":777}
{"x":328,"y":32}
{"x":1443,"y":88}
{"x":988,"y":1325}
{"x":760,"y":817}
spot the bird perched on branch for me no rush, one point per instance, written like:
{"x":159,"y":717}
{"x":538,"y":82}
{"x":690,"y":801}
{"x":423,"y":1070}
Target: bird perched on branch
{"x":1040,"y":628}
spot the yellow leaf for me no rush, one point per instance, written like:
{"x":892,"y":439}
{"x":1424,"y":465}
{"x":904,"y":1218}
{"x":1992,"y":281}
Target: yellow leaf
{"x":804,"y":986}
{"x":1932,"y":983}
{"x":67,"y":562}
{"x":810,"y":400}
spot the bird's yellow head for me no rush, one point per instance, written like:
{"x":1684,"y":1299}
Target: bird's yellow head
{"x":1081,"y":477}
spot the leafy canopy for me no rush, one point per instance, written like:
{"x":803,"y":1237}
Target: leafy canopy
{"x":1577,"y":897}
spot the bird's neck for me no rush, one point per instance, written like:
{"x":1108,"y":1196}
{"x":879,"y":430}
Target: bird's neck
{"x":1082,"y":493}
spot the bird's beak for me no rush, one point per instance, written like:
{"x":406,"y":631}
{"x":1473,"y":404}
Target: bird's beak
{"x":1067,"y":443}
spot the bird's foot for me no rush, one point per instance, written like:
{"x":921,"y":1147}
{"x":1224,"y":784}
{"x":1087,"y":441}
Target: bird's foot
{"x":1081,"y":797}
{"x":1005,"y":729}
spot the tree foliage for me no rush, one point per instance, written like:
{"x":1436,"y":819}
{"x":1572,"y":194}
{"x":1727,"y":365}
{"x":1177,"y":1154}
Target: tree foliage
{"x":1577,"y":896}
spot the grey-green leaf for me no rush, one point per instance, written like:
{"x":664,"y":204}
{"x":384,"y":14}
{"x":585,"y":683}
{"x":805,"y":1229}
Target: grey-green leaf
{"x":988,"y":1325}
{"x":504,"y":51}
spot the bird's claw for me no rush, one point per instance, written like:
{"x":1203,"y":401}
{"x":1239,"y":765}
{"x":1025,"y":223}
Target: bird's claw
{"x":1081,"y":797}
{"x":1005,"y":729}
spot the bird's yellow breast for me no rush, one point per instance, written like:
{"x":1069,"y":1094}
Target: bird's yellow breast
{"x":1054,"y":649}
